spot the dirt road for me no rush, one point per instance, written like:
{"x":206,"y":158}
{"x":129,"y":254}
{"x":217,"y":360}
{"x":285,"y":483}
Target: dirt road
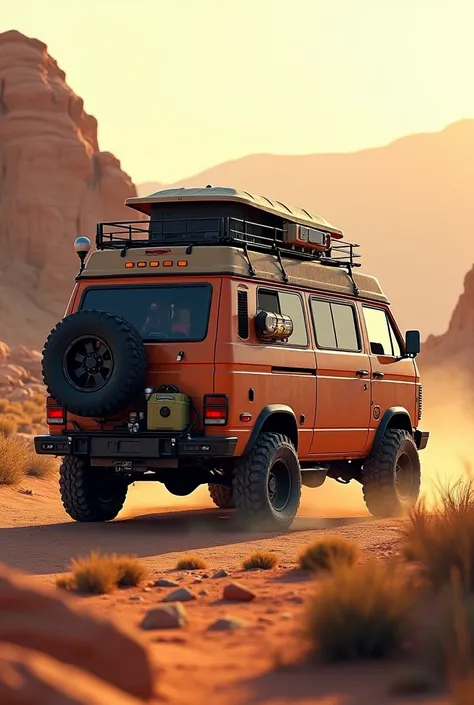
{"x":37,"y":536}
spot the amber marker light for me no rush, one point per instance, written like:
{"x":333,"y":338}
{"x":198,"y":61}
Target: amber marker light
{"x":167,"y":263}
{"x":182,"y":263}
{"x":154,"y":263}
{"x":141,"y":264}
{"x":129,"y":265}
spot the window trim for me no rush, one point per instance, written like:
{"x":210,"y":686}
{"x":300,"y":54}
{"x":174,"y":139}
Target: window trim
{"x":391,"y":327}
{"x":280,"y":343}
{"x":355,"y":313}
{"x":206,"y":285}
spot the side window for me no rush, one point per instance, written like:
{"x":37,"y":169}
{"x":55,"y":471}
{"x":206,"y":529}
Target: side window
{"x":382,"y":338}
{"x":289,"y":303}
{"x":335,"y":326}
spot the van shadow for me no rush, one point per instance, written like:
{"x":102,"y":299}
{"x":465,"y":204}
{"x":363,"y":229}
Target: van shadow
{"x":45,"y":549}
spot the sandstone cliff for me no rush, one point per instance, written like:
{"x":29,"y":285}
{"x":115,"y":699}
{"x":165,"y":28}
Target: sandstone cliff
{"x":454,"y":348}
{"x":55,"y":184}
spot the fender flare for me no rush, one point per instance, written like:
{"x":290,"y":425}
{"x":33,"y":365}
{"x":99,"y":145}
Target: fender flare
{"x":385,"y":421}
{"x":264,"y":415}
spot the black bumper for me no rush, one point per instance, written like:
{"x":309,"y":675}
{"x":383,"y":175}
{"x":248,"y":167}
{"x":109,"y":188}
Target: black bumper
{"x":421,"y":439}
{"x":135,"y":447}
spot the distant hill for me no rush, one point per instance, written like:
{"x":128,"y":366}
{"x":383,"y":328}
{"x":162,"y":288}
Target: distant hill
{"x":409,"y":204}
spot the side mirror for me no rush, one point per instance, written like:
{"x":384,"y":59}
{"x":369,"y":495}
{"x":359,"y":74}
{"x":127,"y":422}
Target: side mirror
{"x":412,"y":343}
{"x":273,"y":326}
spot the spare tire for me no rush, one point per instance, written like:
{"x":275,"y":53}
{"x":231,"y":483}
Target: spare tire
{"x":94,"y":363}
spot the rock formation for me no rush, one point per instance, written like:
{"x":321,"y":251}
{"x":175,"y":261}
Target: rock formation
{"x":454,"y":348}
{"x":39,"y":619}
{"x":55,"y":184}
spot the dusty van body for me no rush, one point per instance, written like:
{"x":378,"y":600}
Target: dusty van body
{"x":228,"y":340}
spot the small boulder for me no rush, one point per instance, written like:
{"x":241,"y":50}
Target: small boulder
{"x":39,"y":618}
{"x":31,"y":678}
{"x":238,"y":593}
{"x":165,"y":617}
{"x":181,"y":595}
{"x":204,"y":592}
{"x":164,"y":582}
{"x":221,"y":574}
{"x":226,"y":624}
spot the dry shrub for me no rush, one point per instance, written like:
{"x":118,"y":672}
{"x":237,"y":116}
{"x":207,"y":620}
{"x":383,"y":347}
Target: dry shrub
{"x":30,"y":408}
{"x":4,"y":404}
{"x":327,"y":553}
{"x":130,"y":572}
{"x":99,"y":574}
{"x":12,"y":461}
{"x":262,"y":560}
{"x":41,"y":466}
{"x":191,"y":563}
{"x":359,"y":612}
{"x":442,"y":540}
{"x":8,"y":426}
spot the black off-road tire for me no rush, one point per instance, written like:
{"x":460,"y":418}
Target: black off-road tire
{"x":273,"y":454}
{"x":222,"y":496}
{"x":127,"y":375}
{"x":82,"y":486}
{"x":382,"y":494}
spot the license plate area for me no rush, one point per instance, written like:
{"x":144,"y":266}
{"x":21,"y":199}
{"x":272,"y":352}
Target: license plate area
{"x":125,"y":448}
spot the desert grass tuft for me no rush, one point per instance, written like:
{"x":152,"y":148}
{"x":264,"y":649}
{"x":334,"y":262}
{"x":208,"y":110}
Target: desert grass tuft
{"x":327,"y":553}
{"x":360,"y":612}
{"x":130,"y":572}
{"x":8,"y":426}
{"x":99,"y":574}
{"x":41,"y":466}
{"x":12,"y":461}
{"x":262,"y":560}
{"x":441,"y":540}
{"x":191,"y":563}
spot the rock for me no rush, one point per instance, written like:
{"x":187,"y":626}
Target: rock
{"x":165,"y":617}
{"x":136,"y":598}
{"x":181,"y":595}
{"x":197,"y":580}
{"x":226,"y":624}
{"x":55,"y":184}
{"x":204,"y":576}
{"x":286,"y":615}
{"x":147,"y":589}
{"x":38,"y":618}
{"x":238,"y":593}
{"x":164,"y":582}
{"x":31,"y":678}
{"x":204,"y":592}
{"x":221,"y":574}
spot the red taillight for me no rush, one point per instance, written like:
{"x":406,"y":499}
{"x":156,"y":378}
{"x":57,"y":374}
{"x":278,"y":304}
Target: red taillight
{"x":54,"y":413}
{"x":215,"y":409}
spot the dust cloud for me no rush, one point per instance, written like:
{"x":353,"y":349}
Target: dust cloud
{"x":448,"y":413}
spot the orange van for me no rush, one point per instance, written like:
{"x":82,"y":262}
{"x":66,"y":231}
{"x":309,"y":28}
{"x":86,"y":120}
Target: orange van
{"x":228,"y":339}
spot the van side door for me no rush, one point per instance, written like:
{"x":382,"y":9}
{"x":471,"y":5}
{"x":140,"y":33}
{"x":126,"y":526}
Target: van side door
{"x":393,"y":378}
{"x":342,"y":379}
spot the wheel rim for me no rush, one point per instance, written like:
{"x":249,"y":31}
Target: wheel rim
{"x":88,"y":363}
{"x":404,"y":476}
{"x":279,"y":485}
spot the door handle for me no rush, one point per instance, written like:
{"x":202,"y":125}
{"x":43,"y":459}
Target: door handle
{"x":379,"y":375}
{"x":362,"y":373}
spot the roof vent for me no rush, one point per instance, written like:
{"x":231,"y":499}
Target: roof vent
{"x":209,"y":186}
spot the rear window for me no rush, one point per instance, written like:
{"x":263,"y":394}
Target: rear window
{"x":168,"y":313}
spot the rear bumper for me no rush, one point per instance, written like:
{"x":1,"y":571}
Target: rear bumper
{"x":136,"y":447}
{"x":421,"y":439}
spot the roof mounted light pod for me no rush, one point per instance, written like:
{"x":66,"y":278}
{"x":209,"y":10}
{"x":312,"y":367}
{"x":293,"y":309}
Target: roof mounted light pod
{"x":82,"y":246}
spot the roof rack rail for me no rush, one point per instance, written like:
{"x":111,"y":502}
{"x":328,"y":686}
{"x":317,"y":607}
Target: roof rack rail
{"x":219,"y":230}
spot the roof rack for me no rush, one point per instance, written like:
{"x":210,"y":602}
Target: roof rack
{"x":208,"y":231}
{"x":225,"y":216}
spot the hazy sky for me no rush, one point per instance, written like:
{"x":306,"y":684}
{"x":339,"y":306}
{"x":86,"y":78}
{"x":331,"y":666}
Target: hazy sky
{"x":180,"y":85}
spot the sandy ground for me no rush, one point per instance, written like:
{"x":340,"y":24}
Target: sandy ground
{"x":222,"y":668}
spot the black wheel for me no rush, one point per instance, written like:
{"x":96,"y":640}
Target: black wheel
{"x":391,"y":476}
{"x":222,"y":496}
{"x":267,"y":483}
{"x":90,"y":493}
{"x":94,"y":363}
